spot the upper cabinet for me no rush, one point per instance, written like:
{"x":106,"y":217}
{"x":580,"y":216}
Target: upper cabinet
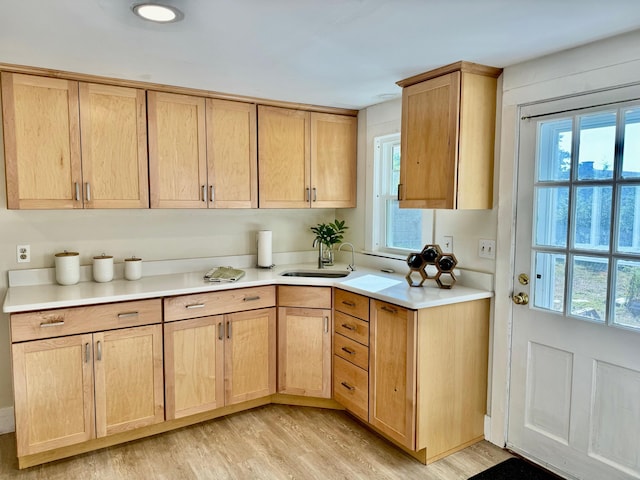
{"x":448,"y":136}
{"x":307,"y":159}
{"x":73,"y":145}
{"x":202,"y":152}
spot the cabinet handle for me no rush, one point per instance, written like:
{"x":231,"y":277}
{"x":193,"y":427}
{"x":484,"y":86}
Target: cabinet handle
{"x":348,"y":327}
{"x":347,"y":386}
{"x":77,"y":187}
{"x":251,"y":299}
{"x":86,"y":353}
{"x":315,"y":194}
{"x":204,"y":193}
{"x":399,"y":186}
{"x":348,"y":304}
{"x":389,"y":309}
{"x":326,"y":324}
{"x":99,"y":350}
{"x":348,"y":350}
{"x":127,"y":314}
{"x":228,"y":329}
{"x":211,"y":193}
{"x":220,"y":331}
{"x":194,"y":305}
{"x":88,"y":190}
{"x":307,"y":194}
{"x":55,"y":323}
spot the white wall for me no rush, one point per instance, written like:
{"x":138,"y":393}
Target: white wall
{"x":605,"y":64}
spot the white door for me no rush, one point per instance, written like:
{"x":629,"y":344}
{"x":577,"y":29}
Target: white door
{"x":574,"y":400}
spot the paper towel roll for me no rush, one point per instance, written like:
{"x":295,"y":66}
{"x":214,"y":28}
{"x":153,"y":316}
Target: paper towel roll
{"x":264,"y":248}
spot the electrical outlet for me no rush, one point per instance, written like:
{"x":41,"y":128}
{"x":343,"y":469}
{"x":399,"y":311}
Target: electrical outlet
{"x":487,"y":248}
{"x":23,"y":253}
{"x":446,"y":243}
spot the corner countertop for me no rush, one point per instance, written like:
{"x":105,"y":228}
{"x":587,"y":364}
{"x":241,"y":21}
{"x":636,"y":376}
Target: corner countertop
{"x":389,"y":287}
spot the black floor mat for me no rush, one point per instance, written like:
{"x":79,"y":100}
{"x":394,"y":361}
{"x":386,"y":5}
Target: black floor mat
{"x":514,"y":469}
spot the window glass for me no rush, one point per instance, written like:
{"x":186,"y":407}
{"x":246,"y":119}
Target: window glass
{"x":554,"y":150}
{"x":627,"y":294}
{"x":597,"y":146}
{"x":551,"y":216}
{"x":588,"y":287}
{"x":631,"y":154}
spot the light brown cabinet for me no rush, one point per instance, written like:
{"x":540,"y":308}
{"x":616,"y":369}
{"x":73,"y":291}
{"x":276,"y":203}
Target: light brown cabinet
{"x":71,"y":388}
{"x":72,"y":144}
{"x":202,"y":152}
{"x":304,"y":341}
{"x":447,"y":138}
{"x":221,"y":359}
{"x":307,"y":159}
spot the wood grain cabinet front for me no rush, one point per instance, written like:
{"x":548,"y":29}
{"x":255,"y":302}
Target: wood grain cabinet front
{"x":448,"y":136}
{"x":304,"y":341}
{"x":70,"y":389}
{"x":72,"y":144}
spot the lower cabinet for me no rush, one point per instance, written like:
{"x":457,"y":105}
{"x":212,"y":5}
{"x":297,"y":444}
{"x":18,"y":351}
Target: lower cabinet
{"x":304,"y":341}
{"x":72,"y":388}
{"x":218,"y":360}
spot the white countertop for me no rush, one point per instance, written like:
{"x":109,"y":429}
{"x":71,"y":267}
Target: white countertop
{"x":388,"y":287}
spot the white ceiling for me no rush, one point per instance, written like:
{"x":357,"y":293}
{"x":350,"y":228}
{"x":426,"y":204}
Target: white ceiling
{"x":342,"y":53}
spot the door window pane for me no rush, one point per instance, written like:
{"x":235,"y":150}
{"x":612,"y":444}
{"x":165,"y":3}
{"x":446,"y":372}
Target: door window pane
{"x":628,"y":223}
{"x":592,"y":226}
{"x":549,"y":281}
{"x":631,"y":155}
{"x":597,"y":146}
{"x":627,"y":294}
{"x":554,"y":152}
{"x":589,"y":277}
{"x":551,"y":216}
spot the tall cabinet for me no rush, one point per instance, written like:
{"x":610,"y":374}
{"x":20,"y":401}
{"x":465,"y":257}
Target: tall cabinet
{"x":72,"y":144}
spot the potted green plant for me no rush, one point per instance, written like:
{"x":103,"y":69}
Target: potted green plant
{"x":329,"y":234}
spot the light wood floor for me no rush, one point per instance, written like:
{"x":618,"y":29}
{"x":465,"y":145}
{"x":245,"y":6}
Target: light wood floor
{"x":271,"y":442}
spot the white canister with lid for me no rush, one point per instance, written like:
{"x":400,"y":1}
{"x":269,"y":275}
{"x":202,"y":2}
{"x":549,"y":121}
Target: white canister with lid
{"x":103,"y":268}
{"x":132,"y":268}
{"x":67,"y":268}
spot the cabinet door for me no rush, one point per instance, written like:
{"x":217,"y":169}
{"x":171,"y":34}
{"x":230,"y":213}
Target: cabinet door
{"x":53,"y":388}
{"x":114,"y":146}
{"x":333,"y":160}
{"x":41,"y":142}
{"x":430,"y":113}
{"x":232,"y":154}
{"x":194,"y":368}
{"x":128,"y":379}
{"x":177,"y":151}
{"x":250,"y":355}
{"x":284,"y":157}
{"x":304,"y":352}
{"x":392,"y":372}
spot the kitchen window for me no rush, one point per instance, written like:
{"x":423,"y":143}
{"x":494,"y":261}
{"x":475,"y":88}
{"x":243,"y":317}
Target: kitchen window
{"x":395,"y":230}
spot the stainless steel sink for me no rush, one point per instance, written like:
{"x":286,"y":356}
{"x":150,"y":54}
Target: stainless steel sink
{"x":316,"y":273}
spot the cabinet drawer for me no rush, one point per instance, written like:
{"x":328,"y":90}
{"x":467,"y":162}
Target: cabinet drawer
{"x":351,"y":351}
{"x":306,"y":297}
{"x":351,"y":387}
{"x":352,"y":328}
{"x":351,"y":303}
{"x":71,"y":321}
{"x":216,"y":303}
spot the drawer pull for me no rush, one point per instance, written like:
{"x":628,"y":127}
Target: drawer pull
{"x":55,"y":323}
{"x":348,"y":327}
{"x":99,"y":350}
{"x":348,"y":350}
{"x":389,"y":309}
{"x":195,"y":305}
{"x":251,"y":299}
{"x":220,"y":331}
{"x":347,"y":386}
{"x":326,"y":324}
{"x":348,"y":303}
{"x":86,"y":353}
{"x":127,"y":314}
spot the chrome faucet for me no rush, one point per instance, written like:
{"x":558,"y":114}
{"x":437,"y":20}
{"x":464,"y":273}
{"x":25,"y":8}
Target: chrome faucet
{"x":352,"y":265}
{"x":318,"y":242}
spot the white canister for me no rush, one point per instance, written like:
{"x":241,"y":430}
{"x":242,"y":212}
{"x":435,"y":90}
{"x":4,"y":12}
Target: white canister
{"x":67,"y":268}
{"x":132,"y":268}
{"x":103,"y":268}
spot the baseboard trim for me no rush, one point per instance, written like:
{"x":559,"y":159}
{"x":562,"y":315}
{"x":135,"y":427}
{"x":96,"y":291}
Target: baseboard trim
{"x":7,"y":420}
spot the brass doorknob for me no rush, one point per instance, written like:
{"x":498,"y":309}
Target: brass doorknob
{"x":520,"y":299}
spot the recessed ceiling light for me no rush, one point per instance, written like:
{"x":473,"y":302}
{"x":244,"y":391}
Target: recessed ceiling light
{"x":155,"y":12}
